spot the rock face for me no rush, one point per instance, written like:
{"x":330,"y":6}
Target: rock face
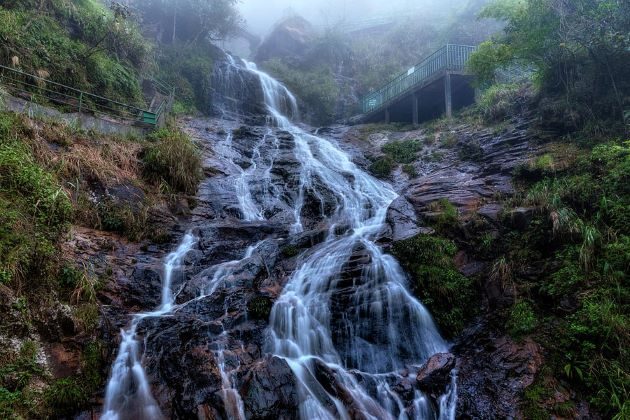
{"x":493,"y":372}
{"x":289,"y":39}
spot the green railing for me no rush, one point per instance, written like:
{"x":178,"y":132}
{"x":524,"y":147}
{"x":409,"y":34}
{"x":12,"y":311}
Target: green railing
{"x":39,"y":89}
{"x":448,"y":58}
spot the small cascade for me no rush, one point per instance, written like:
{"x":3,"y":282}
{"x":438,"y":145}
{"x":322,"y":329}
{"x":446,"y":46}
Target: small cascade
{"x":128,"y":393}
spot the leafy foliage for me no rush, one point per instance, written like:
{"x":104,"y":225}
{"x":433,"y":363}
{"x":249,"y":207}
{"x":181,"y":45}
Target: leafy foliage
{"x":579,"y":50}
{"x":582,"y":231}
{"x":190,"y":21}
{"x":78,"y":43}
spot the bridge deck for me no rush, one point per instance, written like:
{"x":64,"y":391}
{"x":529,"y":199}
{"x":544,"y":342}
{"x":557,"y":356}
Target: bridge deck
{"x":445,"y":61}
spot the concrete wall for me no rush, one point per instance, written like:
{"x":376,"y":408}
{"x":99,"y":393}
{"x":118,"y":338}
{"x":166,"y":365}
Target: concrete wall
{"x":104,"y":125}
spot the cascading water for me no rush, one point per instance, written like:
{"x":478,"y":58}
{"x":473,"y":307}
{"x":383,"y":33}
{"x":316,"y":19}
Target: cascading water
{"x":344,"y":322}
{"x":384,"y":329}
{"x":128,"y":394}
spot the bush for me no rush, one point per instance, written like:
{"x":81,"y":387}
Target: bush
{"x":447,"y":217}
{"x":174,"y":160}
{"x":382,"y":167}
{"x":66,"y":396}
{"x":402,"y":151}
{"x":522,"y":319}
{"x":449,"y":295}
{"x":502,"y":101}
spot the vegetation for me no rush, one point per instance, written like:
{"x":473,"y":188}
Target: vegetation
{"x":436,"y":281}
{"x":578,"y":51}
{"x":82,"y":44}
{"x":382,"y":167}
{"x":314,"y":85}
{"x":53,"y":176}
{"x":190,"y":21}
{"x":581,"y":233}
{"x":173,"y":159}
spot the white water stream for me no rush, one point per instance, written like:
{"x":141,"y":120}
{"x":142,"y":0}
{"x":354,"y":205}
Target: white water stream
{"x":381,"y":334}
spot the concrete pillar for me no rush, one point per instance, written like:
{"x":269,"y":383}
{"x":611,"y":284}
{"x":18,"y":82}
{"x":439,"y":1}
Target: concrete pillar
{"x":414,"y":108}
{"x":448,"y":95}
{"x":387,"y":116}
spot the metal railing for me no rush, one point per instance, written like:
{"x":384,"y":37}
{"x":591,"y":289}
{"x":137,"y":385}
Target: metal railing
{"x":37,"y":88}
{"x":448,"y":58}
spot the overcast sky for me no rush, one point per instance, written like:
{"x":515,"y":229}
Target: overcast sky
{"x":262,"y":14}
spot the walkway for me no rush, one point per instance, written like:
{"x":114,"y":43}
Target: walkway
{"x":439,"y":81}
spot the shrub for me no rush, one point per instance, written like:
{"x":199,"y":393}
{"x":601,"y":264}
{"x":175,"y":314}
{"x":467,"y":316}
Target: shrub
{"x":410,"y":170}
{"x":449,"y":295}
{"x":382,"y":167}
{"x":522,"y":319}
{"x":501,"y":101}
{"x":402,"y":151}
{"x":173,"y":159}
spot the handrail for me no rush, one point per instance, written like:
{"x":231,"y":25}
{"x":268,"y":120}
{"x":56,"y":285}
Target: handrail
{"x":450,"y":57}
{"x":84,"y":101}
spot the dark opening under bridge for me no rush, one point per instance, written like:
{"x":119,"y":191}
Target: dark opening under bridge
{"x":437,"y":85}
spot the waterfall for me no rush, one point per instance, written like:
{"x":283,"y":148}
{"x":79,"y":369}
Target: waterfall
{"x":128,"y":393}
{"x":384,"y":328}
{"x":345,"y":322}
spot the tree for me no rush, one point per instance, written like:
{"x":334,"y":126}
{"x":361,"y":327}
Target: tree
{"x":190,"y":21}
{"x":579,"y":49}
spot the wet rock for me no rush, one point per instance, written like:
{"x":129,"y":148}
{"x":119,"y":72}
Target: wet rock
{"x":493,"y":372}
{"x":402,"y":220}
{"x":434,"y":375}
{"x":521,"y":217}
{"x":269,"y":390}
{"x":290,"y":38}
{"x":491,"y":212}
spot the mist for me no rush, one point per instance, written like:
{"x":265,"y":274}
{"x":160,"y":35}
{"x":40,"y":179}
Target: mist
{"x":261,"y":15}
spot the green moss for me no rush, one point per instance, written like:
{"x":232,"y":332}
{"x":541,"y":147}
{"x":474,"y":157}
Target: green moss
{"x":449,"y":295}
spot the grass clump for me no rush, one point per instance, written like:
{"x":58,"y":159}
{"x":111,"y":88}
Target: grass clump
{"x":259,"y":307}
{"x":34,"y":212}
{"x":435,"y":280}
{"x":501,"y":101}
{"x":173,"y":159}
{"x":447,"y":215}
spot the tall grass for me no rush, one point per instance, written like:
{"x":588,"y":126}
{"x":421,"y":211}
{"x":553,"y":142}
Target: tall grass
{"x":173,"y":159}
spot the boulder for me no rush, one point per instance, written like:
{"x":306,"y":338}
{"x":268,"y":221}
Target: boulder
{"x":434,"y":375}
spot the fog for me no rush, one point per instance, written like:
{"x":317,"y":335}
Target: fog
{"x":260,"y":15}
